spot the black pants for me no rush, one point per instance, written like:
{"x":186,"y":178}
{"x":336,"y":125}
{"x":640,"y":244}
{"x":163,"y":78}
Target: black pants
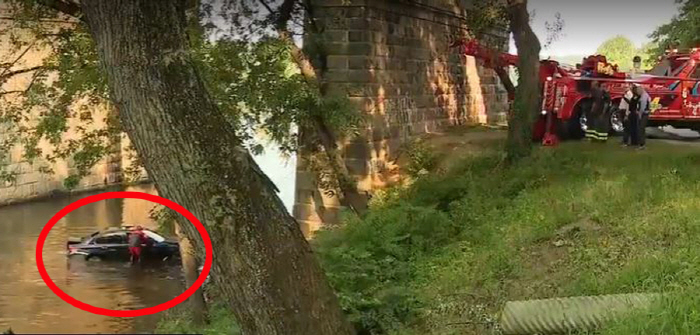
{"x":633,"y":122}
{"x":642,"y":130}
{"x":627,"y":129}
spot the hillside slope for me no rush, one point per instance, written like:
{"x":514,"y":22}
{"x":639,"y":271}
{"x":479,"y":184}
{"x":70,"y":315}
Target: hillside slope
{"x":442,"y":256}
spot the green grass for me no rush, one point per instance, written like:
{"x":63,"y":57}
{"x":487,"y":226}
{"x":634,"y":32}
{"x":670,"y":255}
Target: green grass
{"x":442,"y":255}
{"x":178,"y":321}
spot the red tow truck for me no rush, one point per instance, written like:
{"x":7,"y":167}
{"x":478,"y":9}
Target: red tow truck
{"x":673,"y":84}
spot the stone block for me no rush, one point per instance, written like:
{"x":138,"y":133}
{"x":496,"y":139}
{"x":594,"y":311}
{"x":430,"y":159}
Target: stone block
{"x":335,"y":76}
{"x":358,"y":23}
{"x":361,"y":76}
{"x":358,"y":167}
{"x":377,"y":25}
{"x":358,"y":36}
{"x":316,"y":197}
{"x":28,"y":178}
{"x":360,"y":48}
{"x":313,"y":213}
{"x":349,"y":12}
{"x":305,"y":180}
{"x":336,"y":35}
{"x":363,"y":103}
{"x":379,"y":134}
{"x":357,"y":149}
{"x":362,"y":90}
{"x":334,"y":4}
{"x":396,"y":40}
{"x":395,"y":131}
{"x":397,"y":64}
{"x":378,"y":37}
{"x":337,"y":62}
{"x":349,"y":48}
{"x":359,"y":62}
{"x":420,"y":54}
{"x":381,"y":50}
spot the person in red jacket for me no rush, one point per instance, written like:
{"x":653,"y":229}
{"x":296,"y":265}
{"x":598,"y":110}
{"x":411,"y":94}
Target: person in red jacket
{"x":137,"y":239}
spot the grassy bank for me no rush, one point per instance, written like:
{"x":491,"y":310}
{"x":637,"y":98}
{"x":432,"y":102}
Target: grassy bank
{"x":441,"y":256}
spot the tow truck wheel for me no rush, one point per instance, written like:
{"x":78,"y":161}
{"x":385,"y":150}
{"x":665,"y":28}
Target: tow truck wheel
{"x":617,"y":126}
{"x":574,"y":128}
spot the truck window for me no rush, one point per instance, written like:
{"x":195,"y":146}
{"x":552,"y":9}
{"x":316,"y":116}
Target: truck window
{"x":696,"y":73}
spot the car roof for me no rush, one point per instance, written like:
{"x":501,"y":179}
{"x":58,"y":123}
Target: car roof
{"x":124,"y":230}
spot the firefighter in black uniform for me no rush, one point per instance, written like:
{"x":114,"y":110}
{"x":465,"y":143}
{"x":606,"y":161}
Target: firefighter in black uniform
{"x":598,"y":119}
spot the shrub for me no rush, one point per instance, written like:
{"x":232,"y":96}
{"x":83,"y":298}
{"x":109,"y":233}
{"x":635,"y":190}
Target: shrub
{"x":370,"y":262}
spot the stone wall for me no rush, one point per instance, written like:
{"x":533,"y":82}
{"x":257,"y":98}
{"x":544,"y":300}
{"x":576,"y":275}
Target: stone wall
{"x":31,"y":177}
{"x":392,"y":59}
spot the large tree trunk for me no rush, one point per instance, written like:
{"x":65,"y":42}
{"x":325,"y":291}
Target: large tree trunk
{"x":502,"y":73}
{"x":198,"y":306}
{"x":527,"y":96}
{"x":262,"y":263}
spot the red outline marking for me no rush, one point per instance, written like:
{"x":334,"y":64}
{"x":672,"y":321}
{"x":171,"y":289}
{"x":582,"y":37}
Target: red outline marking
{"x":123,"y":195}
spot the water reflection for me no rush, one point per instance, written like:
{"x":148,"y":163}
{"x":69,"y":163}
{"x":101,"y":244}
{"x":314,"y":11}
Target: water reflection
{"x":28,"y":306}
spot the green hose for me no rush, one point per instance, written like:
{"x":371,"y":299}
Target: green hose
{"x":562,"y":315}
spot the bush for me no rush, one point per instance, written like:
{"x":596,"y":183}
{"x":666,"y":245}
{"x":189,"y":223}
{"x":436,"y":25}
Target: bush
{"x":370,"y":262}
{"x":421,"y":158}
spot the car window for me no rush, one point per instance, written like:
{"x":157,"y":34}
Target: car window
{"x":157,"y":238}
{"x":111,"y":239}
{"x":696,"y":74}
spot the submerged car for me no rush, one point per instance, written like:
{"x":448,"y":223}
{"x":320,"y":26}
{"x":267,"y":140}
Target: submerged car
{"x":112,"y":244}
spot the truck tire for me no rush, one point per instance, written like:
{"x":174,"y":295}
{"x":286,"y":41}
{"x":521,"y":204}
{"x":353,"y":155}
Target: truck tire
{"x":573,"y":128}
{"x":617,"y":127}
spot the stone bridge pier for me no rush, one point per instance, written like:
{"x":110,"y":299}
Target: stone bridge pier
{"x":392,"y":59}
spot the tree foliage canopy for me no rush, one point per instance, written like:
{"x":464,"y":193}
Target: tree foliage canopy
{"x":619,"y":50}
{"x":252,"y":78}
{"x":682,"y":31}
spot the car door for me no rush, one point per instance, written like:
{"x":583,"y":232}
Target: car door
{"x":112,"y":245}
{"x":691,"y":95}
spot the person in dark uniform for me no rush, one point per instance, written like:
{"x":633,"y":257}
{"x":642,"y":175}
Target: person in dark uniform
{"x":634,"y":116}
{"x":643,"y":109}
{"x":598,"y":121}
{"x":624,"y":111}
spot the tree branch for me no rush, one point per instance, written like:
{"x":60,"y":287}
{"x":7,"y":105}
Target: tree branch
{"x":65,"y":7}
{"x":285,"y":14}
{"x":349,"y":195}
{"x":9,"y":74}
{"x":8,"y":66}
{"x":9,"y":18}
{"x":10,"y":92}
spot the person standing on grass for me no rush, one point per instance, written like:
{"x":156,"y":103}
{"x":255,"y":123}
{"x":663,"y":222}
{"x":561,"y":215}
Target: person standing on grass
{"x":633,"y":115}
{"x":625,"y":114}
{"x":598,"y":120}
{"x":642,"y":116}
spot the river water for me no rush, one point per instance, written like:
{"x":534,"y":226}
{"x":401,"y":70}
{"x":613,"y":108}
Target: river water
{"x":29,"y":306}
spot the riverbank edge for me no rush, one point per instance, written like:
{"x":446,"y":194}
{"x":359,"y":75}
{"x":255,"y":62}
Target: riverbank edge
{"x":58,"y":194}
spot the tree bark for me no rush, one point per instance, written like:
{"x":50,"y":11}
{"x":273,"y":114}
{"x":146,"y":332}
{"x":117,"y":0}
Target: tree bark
{"x":527,"y":95}
{"x":198,"y":306}
{"x":505,"y":80}
{"x":262,"y":263}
